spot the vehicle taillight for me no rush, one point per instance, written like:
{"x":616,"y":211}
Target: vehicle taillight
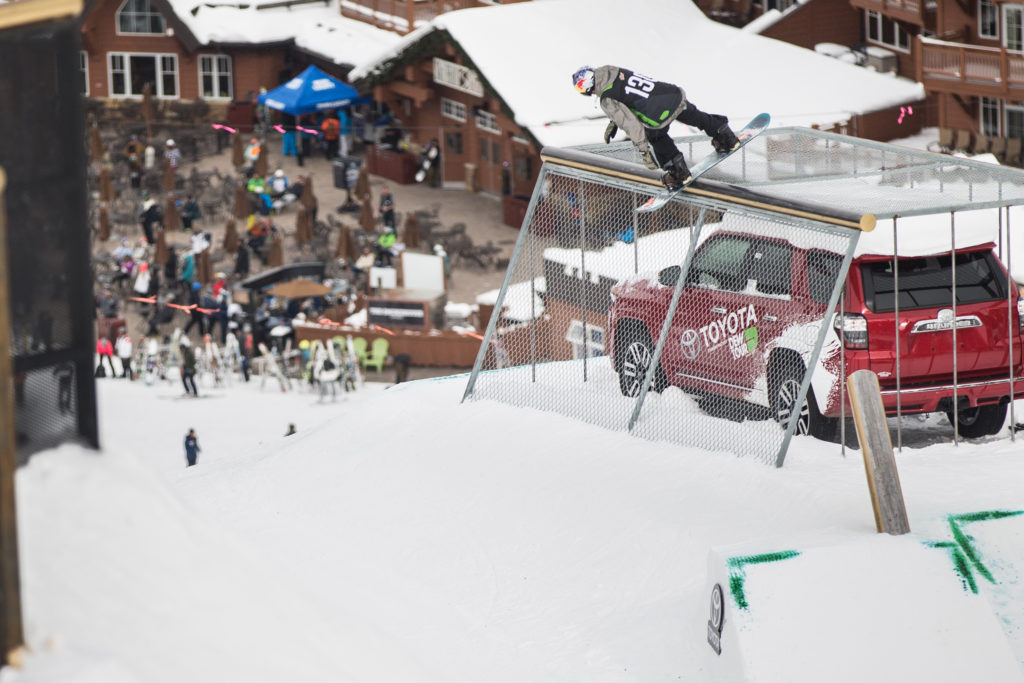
{"x":1020,"y":315}
{"x":853,"y":329}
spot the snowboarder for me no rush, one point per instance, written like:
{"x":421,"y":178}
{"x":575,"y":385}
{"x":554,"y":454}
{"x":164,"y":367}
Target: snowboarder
{"x":644,"y":108}
{"x":191,"y":448}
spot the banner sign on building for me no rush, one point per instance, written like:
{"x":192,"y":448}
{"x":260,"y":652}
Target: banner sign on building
{"x":457,"y":77}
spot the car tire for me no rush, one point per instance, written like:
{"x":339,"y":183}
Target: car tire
{"x":634,"y":355}
{"x":980,"y":421}
{"x":785,"y":388}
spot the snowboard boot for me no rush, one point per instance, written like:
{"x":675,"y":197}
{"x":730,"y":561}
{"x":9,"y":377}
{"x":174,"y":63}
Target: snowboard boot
{"x":724,"y":140}
{"x":677,"y":173}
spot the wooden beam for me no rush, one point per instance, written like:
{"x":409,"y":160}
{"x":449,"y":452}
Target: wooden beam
{"x":25,"y":12}
{"x":876,"y":447}
{"x":11,"y":633}
{"x":417,"y":93}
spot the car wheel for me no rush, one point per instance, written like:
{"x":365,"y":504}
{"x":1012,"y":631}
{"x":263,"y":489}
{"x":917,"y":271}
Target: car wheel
{"x":635,"y":355}
{"x":785,"y":392}
{"x":980,"y":421}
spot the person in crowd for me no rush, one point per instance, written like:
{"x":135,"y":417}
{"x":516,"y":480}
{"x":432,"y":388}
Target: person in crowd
{"x":278,"y":184}
{"x":105,"y":351}
{"x":188,"y":271}
{"x":252,"y":153}
{"x":191,"y":448}
{"x":195,"y":316}
{"x":150,"y":217}
{"x":361,"y":267}
{"x":288,"y":147}
{"x":220,"y":281}
{"x":123,"y":347}
{"x":121,"y":251}
{"x":65,"y":373}
{"x":172,"y":154}
{"x":171,"y":267}
{"x":385,"y":244}
{"x":387,"y":208}
{"x":331,"y":129}
{"x":188,"y":368}
{"x":306,"y":137}
{"x":189,"y":212}
{"x":242,"y":260}
{"x":162,"y":314}
{"x":133,"y":153}
{"x":344,"y":132}
{"x":108,"y":304}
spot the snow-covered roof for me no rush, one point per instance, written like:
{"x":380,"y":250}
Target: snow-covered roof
{"x":317,"y":27}
{"x":723,"y":69}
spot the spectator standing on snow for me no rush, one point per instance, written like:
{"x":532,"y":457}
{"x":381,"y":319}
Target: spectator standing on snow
{"x":188,"y":368}
{"x":191,"y":448}
{"x":105,"y":350}
{"x":123,"y":347}
{"x":387,"y":208}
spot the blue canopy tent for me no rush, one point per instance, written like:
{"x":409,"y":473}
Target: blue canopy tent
{"x":311,"y":91}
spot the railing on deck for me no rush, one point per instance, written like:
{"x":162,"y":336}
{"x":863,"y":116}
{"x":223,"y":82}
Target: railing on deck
{"x":401,"y":16}
{"x":987,"y":67}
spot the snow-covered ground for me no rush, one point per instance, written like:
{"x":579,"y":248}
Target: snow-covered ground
{"x":401,"y":535}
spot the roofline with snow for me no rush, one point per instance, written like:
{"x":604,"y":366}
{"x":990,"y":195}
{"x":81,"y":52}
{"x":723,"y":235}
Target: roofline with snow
{"x":431,"y":43}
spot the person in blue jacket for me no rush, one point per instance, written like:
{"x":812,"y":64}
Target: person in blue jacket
{"x":191,"y":448}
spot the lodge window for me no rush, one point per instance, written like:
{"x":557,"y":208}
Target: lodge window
{"x":83,"y":71}
{"x":590,"y":346}
{"x":524,"y":168}
{"x":139,"y":16}
{"x":129,"y":73}
{"x":453,"y":143}
{"x":885,"y":31}
{"x":215,"y":77}
{"x":988,"y":20}
{"x":487,"y":121}
{"x":452,"y":109}
{"x":990,"y":117}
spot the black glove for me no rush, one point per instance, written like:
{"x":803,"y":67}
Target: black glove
{"x":610,"y":132}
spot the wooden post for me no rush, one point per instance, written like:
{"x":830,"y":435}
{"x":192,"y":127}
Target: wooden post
{"x":879,"y":461}
{"x":11,"y":635}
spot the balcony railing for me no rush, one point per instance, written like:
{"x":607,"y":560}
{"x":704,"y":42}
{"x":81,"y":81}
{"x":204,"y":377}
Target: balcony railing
{"x":970,"y":69}
{"x":906,"y":10}
{"x":401,"y":16}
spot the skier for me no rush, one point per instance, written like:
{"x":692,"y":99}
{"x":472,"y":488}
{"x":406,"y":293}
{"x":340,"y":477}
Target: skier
{"x":191,"y":448}
{"x":188,"y":368}
{"x":644,"y":108}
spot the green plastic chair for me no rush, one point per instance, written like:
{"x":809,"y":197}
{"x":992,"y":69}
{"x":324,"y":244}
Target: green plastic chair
{"x":378,"y":354}
{"x":359,"y":344}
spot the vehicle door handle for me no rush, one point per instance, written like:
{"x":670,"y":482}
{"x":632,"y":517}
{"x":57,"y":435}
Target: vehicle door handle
{"x":771,"y":318}
{"x":718,"y":309}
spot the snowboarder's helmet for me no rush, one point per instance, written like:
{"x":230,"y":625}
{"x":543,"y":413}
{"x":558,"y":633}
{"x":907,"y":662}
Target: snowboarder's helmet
{"x":583,"y":80}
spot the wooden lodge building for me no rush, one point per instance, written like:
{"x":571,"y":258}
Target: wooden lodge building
{"x":968,"y":54}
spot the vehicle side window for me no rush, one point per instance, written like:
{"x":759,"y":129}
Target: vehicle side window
{"x":721,"y":263}
{"x":772,"y":268}
{"x":822,"y":270}
{"x":669,"y":276}
{"x":928,"y":282}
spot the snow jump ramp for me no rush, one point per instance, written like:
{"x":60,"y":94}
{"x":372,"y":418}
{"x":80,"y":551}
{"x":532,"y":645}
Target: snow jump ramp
{"x":875,"y":608}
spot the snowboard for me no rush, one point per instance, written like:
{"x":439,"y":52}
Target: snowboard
{"x":428,"y":159}
{"x":744,"y":135}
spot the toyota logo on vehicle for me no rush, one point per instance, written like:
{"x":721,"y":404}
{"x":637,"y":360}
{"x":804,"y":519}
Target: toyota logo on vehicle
{"x":689,"y":343}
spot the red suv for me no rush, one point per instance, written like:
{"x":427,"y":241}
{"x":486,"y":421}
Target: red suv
{"x":749,"y":313}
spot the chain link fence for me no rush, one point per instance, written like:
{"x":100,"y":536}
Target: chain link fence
{"x":694,"y":324}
